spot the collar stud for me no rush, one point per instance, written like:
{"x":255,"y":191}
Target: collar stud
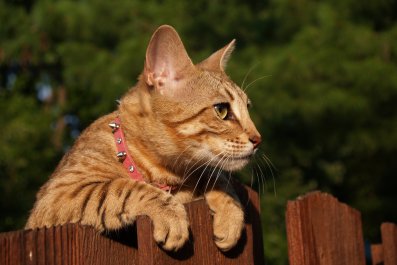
{"x":121,"y":155}
{"x":114,"y":126}
{"x":131,"y":169}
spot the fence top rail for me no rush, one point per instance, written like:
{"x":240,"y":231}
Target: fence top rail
{"x":77,"y":245}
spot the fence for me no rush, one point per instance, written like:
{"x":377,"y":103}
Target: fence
{"x":320,"y":231}
{"x":386,"y":253}
{"x":76,"y":245}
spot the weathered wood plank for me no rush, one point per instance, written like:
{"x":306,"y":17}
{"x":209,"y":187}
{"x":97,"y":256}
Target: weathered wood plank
{"x":389,"y":242}
{"x":256,"y":230}
{"x":377,"y":254}
{"x":321,"y":230}
{"x":11,"y":248}
{"x":69,"y":244}
{"x":120,"y":248}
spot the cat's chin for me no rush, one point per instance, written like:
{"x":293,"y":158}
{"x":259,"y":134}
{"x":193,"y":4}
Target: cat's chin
{"x":236,"y":164}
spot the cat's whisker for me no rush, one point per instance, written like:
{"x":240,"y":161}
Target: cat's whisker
{"x":191,"y":173}
{"x":246,"y":75}
{"x":251,"y":186}
{"x":220,"y":171}
{"x":214,"y":169}
{"x":187,"y":168}
{"x":180,"y":156}
{"x":252,"y":177}
{"x":270,"y":168}
{"x":270,"y":162}
{"x":261,"y":188}
{"x":261,"y":180}
{"x":255,"y":176}
{"x":202,"y":173}
{"x":230,"y":173}
{"x":253,"y":82}
{"x":187,"y":173}
{"x":228,"y":180}
{"x":263,"y":176}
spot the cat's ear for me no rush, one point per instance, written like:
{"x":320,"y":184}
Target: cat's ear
{"x":218,"y":60}
{"x":167,"y":61}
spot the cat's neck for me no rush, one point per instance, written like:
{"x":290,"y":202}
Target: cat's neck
{"x":147,"y":138}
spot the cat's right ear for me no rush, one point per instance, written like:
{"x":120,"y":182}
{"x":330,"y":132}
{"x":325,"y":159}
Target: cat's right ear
{"x":167,"y":61}
{"x":218,"y":60}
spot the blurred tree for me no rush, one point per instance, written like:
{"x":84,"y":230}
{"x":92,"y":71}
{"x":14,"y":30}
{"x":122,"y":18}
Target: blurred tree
{"x":321,"y":75}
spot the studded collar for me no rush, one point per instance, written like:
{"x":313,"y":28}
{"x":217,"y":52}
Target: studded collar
{"x":126,"y":159}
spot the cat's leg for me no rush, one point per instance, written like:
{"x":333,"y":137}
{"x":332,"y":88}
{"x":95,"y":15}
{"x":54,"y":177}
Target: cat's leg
{"x":111,"y":204}
{"x":228,"y":214}
{"x":170,"y":222}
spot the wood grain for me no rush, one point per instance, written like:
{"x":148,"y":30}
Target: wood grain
{"x":201,"y":248}
{"x":377,"y":254}
{"x":389,"y":242}
{"x":323,"y":231}
{"x":69,"y":244}
{"x":72,"y":244}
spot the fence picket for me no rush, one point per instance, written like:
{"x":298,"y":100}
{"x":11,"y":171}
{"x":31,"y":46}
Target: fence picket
{"x":321,"y":230}
{"x":377,"y":254}
{"x":389,"y":242}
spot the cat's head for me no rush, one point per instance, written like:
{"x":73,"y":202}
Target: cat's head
{"x":203,"y":115}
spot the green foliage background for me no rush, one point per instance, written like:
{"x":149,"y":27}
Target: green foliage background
{"x":322,"y":77}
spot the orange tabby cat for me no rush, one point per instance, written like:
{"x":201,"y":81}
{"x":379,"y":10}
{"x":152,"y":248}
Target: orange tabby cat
{"x":182,"y":123}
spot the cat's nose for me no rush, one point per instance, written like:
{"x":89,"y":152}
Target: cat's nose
{"x":256,"y":140}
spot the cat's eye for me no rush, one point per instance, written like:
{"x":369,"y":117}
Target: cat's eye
{"x":222,"y":109}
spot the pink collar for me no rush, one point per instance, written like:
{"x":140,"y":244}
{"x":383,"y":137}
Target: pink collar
{"x":126,"y":159}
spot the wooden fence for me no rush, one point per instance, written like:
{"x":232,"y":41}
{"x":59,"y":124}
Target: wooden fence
{"x":77,"y":245}
{"x":320,"y":231}
{"x":386,"y":253}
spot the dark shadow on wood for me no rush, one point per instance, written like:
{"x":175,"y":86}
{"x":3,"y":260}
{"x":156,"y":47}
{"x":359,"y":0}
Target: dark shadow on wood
{"x":239,"y":248}
{"x":251,"y":201}
{"x":186,"y":252}
{"x":126,"y":236}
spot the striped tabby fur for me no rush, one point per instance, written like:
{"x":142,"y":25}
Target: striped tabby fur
{"x":175,"y":136}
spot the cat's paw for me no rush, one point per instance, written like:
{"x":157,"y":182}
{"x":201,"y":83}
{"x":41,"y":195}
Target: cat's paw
{"x":228,"y":224}
{"x":171,"y":226}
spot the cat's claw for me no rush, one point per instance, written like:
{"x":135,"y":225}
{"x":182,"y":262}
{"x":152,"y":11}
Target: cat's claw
{"x":228,"y":225}
{"x":171,"y":227}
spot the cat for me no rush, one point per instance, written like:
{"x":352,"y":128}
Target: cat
{"x":181,"y":123}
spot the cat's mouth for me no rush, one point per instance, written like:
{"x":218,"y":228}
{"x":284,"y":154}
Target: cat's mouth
{"x":237,"y":162}
{"x":245,"y":157}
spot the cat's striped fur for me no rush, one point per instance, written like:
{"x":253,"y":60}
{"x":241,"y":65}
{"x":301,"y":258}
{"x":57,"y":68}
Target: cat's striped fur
{"x":175,"y":136}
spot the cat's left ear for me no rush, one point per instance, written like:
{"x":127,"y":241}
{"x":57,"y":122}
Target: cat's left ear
{"x":167,"y":63}
{"x":218,"y":60}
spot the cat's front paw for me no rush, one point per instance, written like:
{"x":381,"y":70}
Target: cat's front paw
{"x":228,"y":224}
{"x":171,"y":226}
